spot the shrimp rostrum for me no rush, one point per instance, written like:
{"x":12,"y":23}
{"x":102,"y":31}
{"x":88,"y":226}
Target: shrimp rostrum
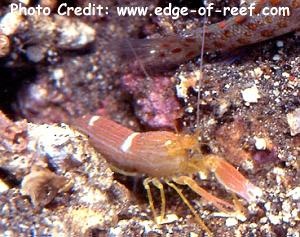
{"x":165,"y":157}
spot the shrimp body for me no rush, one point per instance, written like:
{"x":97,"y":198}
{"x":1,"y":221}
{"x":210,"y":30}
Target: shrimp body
{"x":160,"y":154}
{"x":157,"y":153}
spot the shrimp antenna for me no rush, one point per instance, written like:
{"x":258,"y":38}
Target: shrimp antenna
{"x":201,"y":73}
{"x":138,"y":60}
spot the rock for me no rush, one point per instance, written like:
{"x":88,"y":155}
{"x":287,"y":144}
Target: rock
{"x":251,"y":95}
{"x":293,"y":119}
{"x":4,"y":45}
{"x":10,"y":23}
{"x":73,"y":34}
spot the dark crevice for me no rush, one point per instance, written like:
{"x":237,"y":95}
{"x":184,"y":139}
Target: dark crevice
{"x":11,"y":83}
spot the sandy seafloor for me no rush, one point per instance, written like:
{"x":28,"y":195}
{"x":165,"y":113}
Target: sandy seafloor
{"x":48,"y":77}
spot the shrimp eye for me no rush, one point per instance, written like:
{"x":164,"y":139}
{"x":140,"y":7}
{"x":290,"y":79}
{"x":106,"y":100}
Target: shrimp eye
{"x":205,"y":149}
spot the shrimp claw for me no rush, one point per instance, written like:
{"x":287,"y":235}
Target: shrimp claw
{"x":192,"y":184}
{"x":232,"y":179}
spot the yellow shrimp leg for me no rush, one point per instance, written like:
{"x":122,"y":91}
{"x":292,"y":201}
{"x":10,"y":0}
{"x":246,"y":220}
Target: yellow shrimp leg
{"x":150,"y":198}
{"x":184,"y":199}
{"x":158,"y":185}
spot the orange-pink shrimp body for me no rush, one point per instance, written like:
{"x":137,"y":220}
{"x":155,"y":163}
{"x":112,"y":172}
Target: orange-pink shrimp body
{"x":158,"y":154}
{"x":164,"y":156}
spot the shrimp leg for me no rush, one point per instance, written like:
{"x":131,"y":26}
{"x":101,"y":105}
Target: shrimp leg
{"x":185,"y":200}
{"x":146,"y":183}
{"x":218,"y":203}
{"x":158,"y":185}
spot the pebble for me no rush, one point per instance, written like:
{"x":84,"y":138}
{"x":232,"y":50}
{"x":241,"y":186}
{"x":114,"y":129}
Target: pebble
{"x":4,"y":45}
{"x":169,"y":218}
{"x":260,"y":143}
{"x":253,"y":225}
{"x":25,"y":2}
{"x":115,"y":231}
{"x":231,"y":222}
{"x":193,"y":234}
{"x":58,"y":74}
{"x":295,"y":193}
{"x":286,"y":74}
{"x":276,"y":92}
{"x":267,"y":206}
{"x":54,"y":142}
{"x":35,"y":53}
{"x":276,"y":57}
{"x":258,"y":72}
{"x":280,"y":174}
{"x":74,"y":34}
{"x":185,"y":83}
{"x":263,"y":220}
{"x":251,"y":95}
{"x":226,"y":86}
{"x":223,"y":107}
{"x":189,"y":109}
{"x":10,"y":23}
{"x":293,"y":120}
{"x":286,"y":211}
{"x":275,"y":219}
{"x":3,"y":186}
{"x":279,"y":44}
{"x":292,"y":233}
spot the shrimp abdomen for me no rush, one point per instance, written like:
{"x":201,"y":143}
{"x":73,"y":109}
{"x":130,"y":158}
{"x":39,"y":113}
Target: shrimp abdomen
{"x":156,"y":153}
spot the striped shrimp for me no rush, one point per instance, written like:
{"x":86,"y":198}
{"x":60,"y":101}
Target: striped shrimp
{"x":165,"y":157}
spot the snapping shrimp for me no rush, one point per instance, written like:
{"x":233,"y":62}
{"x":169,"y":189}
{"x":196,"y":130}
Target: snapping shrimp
{"x":165,"y":157}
